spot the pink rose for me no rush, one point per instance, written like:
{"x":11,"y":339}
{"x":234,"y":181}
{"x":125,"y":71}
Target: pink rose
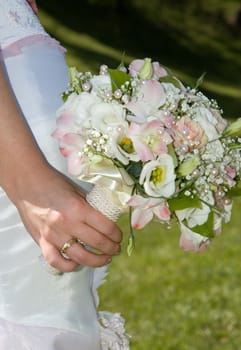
{"x":188,"y":132}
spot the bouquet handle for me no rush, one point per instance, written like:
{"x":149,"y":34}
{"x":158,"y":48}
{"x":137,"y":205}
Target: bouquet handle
{"x":103,"y":199}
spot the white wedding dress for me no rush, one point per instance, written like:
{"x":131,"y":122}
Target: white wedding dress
{"x":39,"y":310}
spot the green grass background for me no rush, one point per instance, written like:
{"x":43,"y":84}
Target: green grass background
{"x":172,"y":300}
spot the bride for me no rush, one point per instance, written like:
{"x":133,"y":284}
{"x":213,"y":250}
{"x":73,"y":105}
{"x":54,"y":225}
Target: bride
{"x":49,"y":303}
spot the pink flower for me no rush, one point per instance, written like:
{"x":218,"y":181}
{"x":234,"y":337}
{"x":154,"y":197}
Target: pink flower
{"x":147,"y":208}
{"x":65,"y":124}
{"x":193,"y":241}
{"x":136,"y":65}
{"x":231,"y":172}
{"x":70,"y":146}
{"x":188,"y":132}
{"x":221,"y":122}
{"x":149,"y":139}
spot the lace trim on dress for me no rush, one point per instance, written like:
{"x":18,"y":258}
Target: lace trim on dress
{"x":111,"y":325}
{"x":112,"y":331}
{"x":17,"y":47}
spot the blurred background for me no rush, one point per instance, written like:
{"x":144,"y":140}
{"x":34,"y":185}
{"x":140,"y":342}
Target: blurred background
{"x":171,"y":300}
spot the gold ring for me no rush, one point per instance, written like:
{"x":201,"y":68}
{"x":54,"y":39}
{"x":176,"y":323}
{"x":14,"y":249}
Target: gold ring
{"x":66,"y":246}
{"x":81,"y":243}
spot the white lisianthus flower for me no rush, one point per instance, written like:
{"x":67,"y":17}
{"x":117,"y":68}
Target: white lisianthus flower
{"x":106,"y":117}
{"x":113,"y":149}
{"x":158,"y":177}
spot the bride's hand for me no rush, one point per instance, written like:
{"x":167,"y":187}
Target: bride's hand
{"x":51,"y":207}
{"x":53,"y":211}
{"x":33,"y":4}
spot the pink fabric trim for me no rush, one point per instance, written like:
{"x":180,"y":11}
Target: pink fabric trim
{"x":16,"y":48}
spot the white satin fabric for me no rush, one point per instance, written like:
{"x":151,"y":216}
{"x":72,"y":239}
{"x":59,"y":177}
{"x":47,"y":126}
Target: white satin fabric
{"x":39,"y":311}
{"x":29,"y":295}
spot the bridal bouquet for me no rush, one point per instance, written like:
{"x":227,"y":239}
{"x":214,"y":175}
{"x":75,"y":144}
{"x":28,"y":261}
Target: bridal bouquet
{"x":151,"y":146}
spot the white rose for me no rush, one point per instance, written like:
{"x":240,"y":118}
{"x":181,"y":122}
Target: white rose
{"x":79,"y":106}
{"x":158,"y":177}
{"x":207,"y":121}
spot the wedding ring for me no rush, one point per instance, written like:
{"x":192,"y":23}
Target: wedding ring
{"x":66,"y":246}
{"x":81,"y":243}
{"x":89,"y":248}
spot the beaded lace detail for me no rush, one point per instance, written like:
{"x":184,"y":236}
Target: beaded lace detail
{"x":18,"y":24}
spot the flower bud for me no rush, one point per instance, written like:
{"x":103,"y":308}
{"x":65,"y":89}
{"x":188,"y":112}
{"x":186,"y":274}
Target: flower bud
{"x":72,"y":75}
{"x":146,"y":70}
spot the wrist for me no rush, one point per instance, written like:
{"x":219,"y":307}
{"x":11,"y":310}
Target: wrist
{"x":25,"y":176}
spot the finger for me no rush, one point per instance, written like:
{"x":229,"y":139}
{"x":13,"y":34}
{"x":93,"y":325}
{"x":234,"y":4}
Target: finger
{"x":53,"y":257}
{"x":86,"y":234}
{"x":98,"y":249}
{"x":97,"y":241}
{"x":77,"y":255}
{"x":101,"y":223}
{"x":82,"y":256}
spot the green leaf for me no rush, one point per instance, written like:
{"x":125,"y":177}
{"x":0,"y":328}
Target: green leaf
{"x":134,"y":169}
{"x":200,"y":80}
{"x":65,"y":96}
{"x":188,"y":166}
{"x":207,"y":228}
{"x":234,"y":145}
{"x":184,"y":202}
{"x":234,"y":129}
{"x":73,"y":73}
{"x":170,"y":79}
{"x":236,"y":191}
{"x":172,"y":153}
{"x":118,"y":78}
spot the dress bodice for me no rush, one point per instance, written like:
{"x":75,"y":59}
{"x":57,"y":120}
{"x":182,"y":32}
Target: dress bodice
{"x":17,"y":21}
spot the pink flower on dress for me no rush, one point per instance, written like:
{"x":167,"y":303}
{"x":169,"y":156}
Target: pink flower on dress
{"x":147,"y":208}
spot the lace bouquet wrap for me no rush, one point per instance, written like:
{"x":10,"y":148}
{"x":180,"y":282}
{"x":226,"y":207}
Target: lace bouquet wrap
{"x":151,"y":146}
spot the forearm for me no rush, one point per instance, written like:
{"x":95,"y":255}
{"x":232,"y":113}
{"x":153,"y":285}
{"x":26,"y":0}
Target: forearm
{"x":19,"y":152}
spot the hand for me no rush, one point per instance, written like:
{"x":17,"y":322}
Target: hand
{"x":51,"y":207}
{"x":33,"y":4}
{"x":54,"y":211}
